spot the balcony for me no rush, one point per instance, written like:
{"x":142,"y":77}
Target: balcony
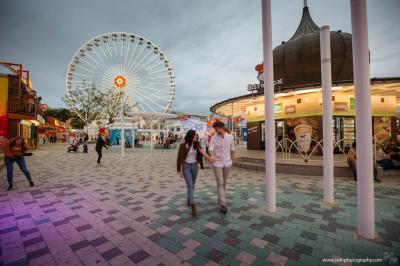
{"x":22,"y":108}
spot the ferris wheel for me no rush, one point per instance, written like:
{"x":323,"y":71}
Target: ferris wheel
{"x":127,"y":64}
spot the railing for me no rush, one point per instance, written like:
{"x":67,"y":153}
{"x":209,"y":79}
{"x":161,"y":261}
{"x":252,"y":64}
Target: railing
{"x":288,"y":146}
{"x":21,"y":108}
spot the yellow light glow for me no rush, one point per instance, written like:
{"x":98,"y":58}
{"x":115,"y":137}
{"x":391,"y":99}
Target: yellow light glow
{"x":120,"y":81}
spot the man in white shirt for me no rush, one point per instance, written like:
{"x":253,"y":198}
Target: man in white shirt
{"x":222,"y":149}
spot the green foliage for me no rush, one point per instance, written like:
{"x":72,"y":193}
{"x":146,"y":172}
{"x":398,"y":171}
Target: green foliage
{"x":76,"y":122}
{"x":62,"y":114}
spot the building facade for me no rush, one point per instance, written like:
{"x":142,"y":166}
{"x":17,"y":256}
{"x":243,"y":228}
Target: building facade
{"x":20,"y":111}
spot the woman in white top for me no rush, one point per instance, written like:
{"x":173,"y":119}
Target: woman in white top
{"x":189,"y":155}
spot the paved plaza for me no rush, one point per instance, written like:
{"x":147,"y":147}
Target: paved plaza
{"x":133,"y":212}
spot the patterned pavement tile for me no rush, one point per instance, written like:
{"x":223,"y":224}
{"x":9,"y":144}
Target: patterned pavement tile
{"x":139,"y":256}
{"x":133,"y":211}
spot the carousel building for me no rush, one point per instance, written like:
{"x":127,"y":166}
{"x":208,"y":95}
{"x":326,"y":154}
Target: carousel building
{"x":298,"y":93}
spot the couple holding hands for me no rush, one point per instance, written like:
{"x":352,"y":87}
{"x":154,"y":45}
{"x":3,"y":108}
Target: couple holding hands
{"x":220,"y":155}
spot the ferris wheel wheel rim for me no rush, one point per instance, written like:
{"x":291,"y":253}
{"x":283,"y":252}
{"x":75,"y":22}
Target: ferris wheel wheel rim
{"x":136,"y":36}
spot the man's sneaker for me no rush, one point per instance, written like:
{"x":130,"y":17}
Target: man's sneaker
{"x":31,"y":183}
{"x":9,"y":188}
{"x":223,"y":209}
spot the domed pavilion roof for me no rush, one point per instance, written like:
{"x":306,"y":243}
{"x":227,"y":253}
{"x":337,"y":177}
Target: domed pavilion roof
{"x":298,"y":62}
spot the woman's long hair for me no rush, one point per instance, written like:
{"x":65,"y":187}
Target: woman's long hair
{"x":14,"y":140}
{"x":189,"y":139}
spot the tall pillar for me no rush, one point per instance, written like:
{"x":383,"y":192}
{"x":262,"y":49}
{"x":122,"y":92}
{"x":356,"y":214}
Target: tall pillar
{"x":365,"y":183}
{"x":326,"y":78}
{"x":122,"y":128}
{"x":270,"y":174}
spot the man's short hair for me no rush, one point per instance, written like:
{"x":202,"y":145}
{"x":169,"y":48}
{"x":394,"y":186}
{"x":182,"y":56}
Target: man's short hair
{"x":219,"y":124}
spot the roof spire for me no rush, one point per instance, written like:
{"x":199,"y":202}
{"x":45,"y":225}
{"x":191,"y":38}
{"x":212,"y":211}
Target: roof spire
{"x":307,"y":25}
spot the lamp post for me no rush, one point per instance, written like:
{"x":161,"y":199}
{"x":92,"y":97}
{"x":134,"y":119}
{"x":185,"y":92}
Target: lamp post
{"x":122,"y":126}
{"x":270,"y":156}
{"x":365,"y":183}
{"x":326,"y":78}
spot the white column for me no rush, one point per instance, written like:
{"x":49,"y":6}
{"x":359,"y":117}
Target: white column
{"x":365,"y":184}
{"x":270,"y":174}
{"x":326,"y":78}
{"x":122,"y":129}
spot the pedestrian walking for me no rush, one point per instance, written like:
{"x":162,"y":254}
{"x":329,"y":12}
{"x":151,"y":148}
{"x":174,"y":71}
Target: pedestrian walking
{"x":85,"y":143}
{"x":100,"y":143}
{"x":221,"y":149}
{"x":44,"y":140}
{"x":189,"y":155}
{"x":14,"y":151}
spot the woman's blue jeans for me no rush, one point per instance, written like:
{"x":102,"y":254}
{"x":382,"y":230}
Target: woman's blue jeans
{"x":190,"y":174}
{"x":9,"y":162}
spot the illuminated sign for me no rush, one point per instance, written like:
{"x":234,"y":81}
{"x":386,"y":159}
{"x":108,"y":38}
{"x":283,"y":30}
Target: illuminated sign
{"x":278,"y":107}
{"x":291,"y":109}
{"x":252,"y":130}
{"x":341,"y":106}
{"x":40,"y":119}
{"x":257,"y":87}
{"x":352,"y":103}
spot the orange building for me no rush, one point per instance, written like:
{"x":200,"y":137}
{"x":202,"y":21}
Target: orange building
{"x":20,"y":111}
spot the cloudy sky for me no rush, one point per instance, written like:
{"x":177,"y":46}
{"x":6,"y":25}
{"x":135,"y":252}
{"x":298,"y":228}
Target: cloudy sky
{"x":212,"y":44}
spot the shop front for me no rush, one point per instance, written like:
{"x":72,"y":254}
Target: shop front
{"x":56,"y":129}
{"x":305,"y":108}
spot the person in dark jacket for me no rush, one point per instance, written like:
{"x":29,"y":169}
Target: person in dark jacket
{"x":85,"y":143}
{"x":189,"y":155}
{"x":100,"y":143}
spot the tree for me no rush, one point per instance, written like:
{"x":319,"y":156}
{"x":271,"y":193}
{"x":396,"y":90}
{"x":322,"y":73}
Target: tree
{"x":86,"y":102}
{"x":62,"y":114}
{"x":111,"y":105}
{"x":75,"y":121}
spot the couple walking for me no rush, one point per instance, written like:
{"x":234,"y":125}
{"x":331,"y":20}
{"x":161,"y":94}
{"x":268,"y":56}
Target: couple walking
{"x":220,"y":154}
